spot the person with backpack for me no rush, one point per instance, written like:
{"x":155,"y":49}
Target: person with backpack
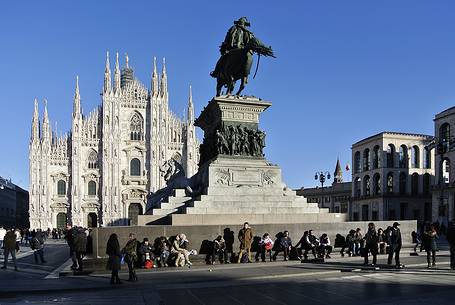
{"x":371,"y":244}
{"x":130,"y":252}
{"x":80,"y":246}
{"x":38,"y":249}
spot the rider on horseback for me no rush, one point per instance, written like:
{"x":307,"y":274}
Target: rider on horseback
{"x":236,"y":38}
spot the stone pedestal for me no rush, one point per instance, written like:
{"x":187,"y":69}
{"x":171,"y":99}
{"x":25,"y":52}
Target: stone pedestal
{"x":235,"y":183}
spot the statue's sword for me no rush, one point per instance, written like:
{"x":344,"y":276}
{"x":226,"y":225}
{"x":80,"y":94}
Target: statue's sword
{"x":257,"y":66}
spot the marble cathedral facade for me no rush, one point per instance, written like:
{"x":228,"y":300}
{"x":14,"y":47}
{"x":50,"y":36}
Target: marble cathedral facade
{"x":101,"y":172}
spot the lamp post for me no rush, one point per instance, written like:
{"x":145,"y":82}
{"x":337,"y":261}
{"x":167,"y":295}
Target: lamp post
{"x":322,"y":177}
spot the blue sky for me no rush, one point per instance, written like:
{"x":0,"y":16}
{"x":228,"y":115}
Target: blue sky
{"x":344,"y":70}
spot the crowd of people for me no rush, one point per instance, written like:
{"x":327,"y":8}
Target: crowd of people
{"x":12,"y":239}
{"x":174,"y":251}
{"x":163,"y":252}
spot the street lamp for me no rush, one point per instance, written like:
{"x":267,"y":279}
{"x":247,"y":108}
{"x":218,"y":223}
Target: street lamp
{"x":322,"y":177}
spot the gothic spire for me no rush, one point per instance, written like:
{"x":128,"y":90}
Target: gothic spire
{"x":154,"y":78}
{"x":46,"y":128}
{"x":107,"y":74}
{"x":77,"y":100}
{"x":338,"y":174}
{"x":164,"y":78}
{"x":117,"y":75}
{"x":35,"y":123}
{"x":190,"y":112}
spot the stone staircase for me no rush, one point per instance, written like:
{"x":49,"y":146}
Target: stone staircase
{"x":227,"y":204}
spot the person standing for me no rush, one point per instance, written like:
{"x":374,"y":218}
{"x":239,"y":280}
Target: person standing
{"x":80,"y":246}
{"x":371,"y":244}
{"x":9,"y":245}
{"x":395,"y":244}
{"x":245,"y":238}
{"x":130,"y":252}
{"x":429,"y":244}
{"x":38,"y":249}
{"x":69,"y":236}
{"x":2,"y":236}
{"x":113,"y":263}
{"x":451,"y":239}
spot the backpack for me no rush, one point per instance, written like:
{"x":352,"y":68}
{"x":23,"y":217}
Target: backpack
{"x":244,"y":259}
{"x":34,"y":243}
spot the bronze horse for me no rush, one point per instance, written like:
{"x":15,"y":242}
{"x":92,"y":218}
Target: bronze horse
{"x":237,"y":63}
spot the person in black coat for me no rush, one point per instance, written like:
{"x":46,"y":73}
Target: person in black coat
{"x":451,"y":239}
{"x":113,"y":263}
{"x":285,"y":245}
{"x":80,"y":246}
{"x":371,"y":244}
{"x":429,"y":244}
{"x":395,"y":242}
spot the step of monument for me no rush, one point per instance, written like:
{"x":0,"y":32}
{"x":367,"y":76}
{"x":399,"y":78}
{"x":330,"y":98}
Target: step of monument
{"x":248,"y":204}
{"x":167,"y":206}
{"x":179,"y":193}
{"x":245,"y":198}
{"x":165,"y":211}
{"x":249,"y":210}
{"x":176,"y":199}
{"x":245,"y":190}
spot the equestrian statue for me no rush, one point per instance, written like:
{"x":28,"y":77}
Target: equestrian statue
{"x":236,"y":58}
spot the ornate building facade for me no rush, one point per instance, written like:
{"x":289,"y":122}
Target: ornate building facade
{"x":102,"y":171}
{"x":392,"y":177}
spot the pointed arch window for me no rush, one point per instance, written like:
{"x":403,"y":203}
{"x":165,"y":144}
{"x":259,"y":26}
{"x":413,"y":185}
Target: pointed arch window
{"x":391,"y":156}
{"x":444,"y":134}
{"x":92,"y":188}
{"x":137,"y":127}
{"x":403,"y":156}
{"x":135,"y":167}
{"x":427,"y":158}
{"x":93,"y":159}
{"x":415,"y":156}
{"x":357,"y":162}
{"x":376,"y":157}
{"x":61,"y":188}
{"x":390,"y":183}
{"x":377,"y":184}
{"x":366,"y":186}
{"x":366,"y":159}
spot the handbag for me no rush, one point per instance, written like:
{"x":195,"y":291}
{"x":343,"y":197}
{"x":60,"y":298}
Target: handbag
{"x":122,"y":260}
{"x":148,"y":264}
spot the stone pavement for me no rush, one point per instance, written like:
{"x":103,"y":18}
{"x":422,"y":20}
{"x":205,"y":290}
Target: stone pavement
{"x":338,"y":281}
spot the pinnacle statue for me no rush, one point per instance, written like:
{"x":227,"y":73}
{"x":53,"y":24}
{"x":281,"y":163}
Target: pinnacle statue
{"x":236,"y":58}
